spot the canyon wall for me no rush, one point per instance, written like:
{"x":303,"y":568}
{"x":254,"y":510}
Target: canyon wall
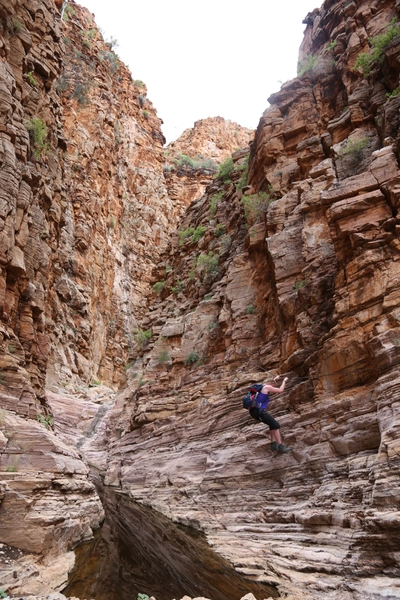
{"x":192,"y":161}
{"x":85,"y":213}
{"x":82,"y":193}
{"x":294,"y":271}
{"x":116,"y":201}
{"x":286,"y":264}
{"x":47,"y":503}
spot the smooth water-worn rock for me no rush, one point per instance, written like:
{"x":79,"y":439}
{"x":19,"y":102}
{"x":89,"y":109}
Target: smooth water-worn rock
{"x":139,"y":551}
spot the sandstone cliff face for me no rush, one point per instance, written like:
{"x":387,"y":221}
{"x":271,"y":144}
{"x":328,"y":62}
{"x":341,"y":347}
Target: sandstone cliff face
{"x":291,"y":270}
{"x":45,"y":483}
{"x":82,"y":192}
{"x":192,"y":161}
{"x":214,"y":138}
{"x":85,"y":214}
{"x":310,"y":289}
{"x":116,"y":202}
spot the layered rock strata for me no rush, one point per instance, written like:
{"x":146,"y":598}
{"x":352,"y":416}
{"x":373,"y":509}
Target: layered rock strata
{"x":213,"y":138}
{"x":307,"y":287}
{"x":82,"y":192}
{"x":116,"y":202}
{"x":47,"y":503}
{"x":192,"y":160}
{"x":292,"y":269}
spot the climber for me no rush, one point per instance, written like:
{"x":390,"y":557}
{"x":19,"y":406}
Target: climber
{"x":260,"y":414}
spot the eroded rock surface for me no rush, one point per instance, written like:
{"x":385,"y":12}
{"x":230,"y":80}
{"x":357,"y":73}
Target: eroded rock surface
{"x":214,"y":138}
{"x":308,"y":289}
{"x":65,"y":298}
{"x":85,"y":213}
{"x":192,"y":161}
{"x":47,"y":502}
{"x":292,"y":269}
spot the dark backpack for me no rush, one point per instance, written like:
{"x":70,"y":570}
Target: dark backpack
{"x":249,"y":401}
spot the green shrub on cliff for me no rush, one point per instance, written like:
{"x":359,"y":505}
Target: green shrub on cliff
{"x":163,"y":357}
{"x":184,"y":160}
{"x":365,"y":60}
{"x":81,"y":91}
{"x":157,"y":287}
{"x":17,"y":25}
{"x":142,"y":336}
{"x":364,"y":63}
{"x":111,"y":58}
{"x":178,"y":287}
{"x":63,"y":84}
{"x":31,"y":79}
{"x":87,"y":37}
{"x":46,"y":420}
{"x":197,"y":163}
{"x":184,"y":234}
{"x":244,"y":167}
{"x":77,"y":75}
{"x":112,"y":43}
{"x":354,"y":148}
{"x":225,"y":169}
{"x":37,"y":133}
{"x":226,"y":241}
{"x":192,"y":359}
{"x":209,"y":262}
{"x":198,"y":233}
{"x":68,"y":12}
{"x":256,"y":205}
{"x":191,"y":232}
{"x":393,"y":94}
{"x":219,"y":230}
{"x":214,"y":201}
{"x":308,"y":63}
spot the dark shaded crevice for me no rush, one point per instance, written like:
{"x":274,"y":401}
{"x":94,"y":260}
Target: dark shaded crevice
{"x":138,"y":550}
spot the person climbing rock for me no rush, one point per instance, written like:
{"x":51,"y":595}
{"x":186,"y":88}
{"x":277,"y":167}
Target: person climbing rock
{"x":260,"y":414}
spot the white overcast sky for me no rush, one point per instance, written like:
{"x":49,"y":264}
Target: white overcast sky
{"x":207,"y":58}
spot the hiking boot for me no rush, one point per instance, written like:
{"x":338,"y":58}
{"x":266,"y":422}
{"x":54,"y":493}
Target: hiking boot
{"x":274,"y":446}
{"x":283,"y":449}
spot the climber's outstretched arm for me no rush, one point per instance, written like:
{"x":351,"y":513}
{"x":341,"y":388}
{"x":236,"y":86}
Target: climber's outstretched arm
{"x":267,"y":387}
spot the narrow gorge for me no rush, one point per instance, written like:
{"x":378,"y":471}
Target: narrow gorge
{"x":144,"y":287}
